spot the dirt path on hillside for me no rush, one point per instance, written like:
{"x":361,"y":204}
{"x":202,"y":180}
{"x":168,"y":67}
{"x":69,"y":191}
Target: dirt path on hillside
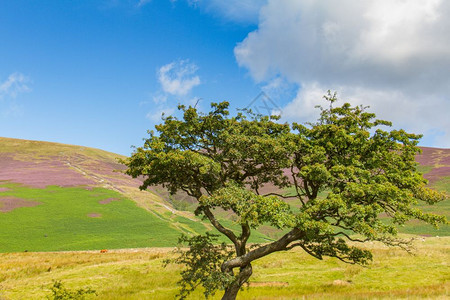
{"x":146,"y":200}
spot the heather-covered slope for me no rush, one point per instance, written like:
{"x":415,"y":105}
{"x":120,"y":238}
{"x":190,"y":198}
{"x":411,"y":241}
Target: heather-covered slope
{"x":63,"y":197}
{"x":435,"y":163}
{"x":40,"y":164}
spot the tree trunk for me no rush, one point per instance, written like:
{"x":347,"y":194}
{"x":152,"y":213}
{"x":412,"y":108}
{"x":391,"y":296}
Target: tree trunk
{"x":232,"y":291}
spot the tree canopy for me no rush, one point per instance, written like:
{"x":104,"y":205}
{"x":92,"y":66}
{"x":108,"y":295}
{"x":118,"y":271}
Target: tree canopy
{"x":344,"y":169}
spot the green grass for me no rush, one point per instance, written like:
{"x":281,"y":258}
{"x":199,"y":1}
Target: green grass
{"x":412,"y":227}
{"x":257,"y":236}
{"x":421,"y":228}
{"x":441,"y":208}
{"x":61,"y":222}
{"x":139,"y":274}
{"x":424,"y":169}
{"x":443,"y":185}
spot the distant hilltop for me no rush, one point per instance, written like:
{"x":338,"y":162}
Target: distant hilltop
{"x":40,"y":164}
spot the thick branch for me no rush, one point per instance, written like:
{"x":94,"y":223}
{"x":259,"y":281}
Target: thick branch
{"x":243,"y":238}
{"x":307,"y":191}
{"x":227,"y":232}
{"x":278,"y":245}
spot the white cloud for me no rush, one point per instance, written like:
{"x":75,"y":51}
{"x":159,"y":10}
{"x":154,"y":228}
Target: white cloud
{"x":178,"y":78}
{"x":275,"y":85}
{"x":393,"y":105}
{"x":15,"y":84}
{"x":302,"y":108}
{"x":392,"y":54}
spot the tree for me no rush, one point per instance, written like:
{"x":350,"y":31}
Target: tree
{"x":345,"y":171}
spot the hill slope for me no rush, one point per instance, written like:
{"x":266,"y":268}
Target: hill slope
{"x":40,"y":164}
{"x":435,"y":164}
{"x":63,"y":197}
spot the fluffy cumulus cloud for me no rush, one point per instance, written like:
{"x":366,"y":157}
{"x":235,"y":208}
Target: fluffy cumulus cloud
{"x":428,"y":115}
{"x":393,"y":55}
{"x":15,"y":84}
{"x":178,"y":78}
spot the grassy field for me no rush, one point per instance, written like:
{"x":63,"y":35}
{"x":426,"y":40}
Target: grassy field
{"x":138,"y":274}
{"x":102,"y":216}
{"x":77,"y":218}
{"x":442,"y":208}
{"x":80,"y":219}
{"x":415,"y":226}
{"x":74,"y":218}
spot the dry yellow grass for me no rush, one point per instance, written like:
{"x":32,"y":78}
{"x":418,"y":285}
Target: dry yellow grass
{"x":138,"y":274}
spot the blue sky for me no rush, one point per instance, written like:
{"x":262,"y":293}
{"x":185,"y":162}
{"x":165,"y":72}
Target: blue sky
{"x":99,"y":73}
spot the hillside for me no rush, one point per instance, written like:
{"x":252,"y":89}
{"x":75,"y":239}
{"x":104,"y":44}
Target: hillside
{"x":40,"y":164}
{"x":435,"y":164}
{"x":63,"y":197}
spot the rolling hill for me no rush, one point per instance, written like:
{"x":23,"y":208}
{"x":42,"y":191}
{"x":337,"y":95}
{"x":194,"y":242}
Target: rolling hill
{"x":63,"y":197}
